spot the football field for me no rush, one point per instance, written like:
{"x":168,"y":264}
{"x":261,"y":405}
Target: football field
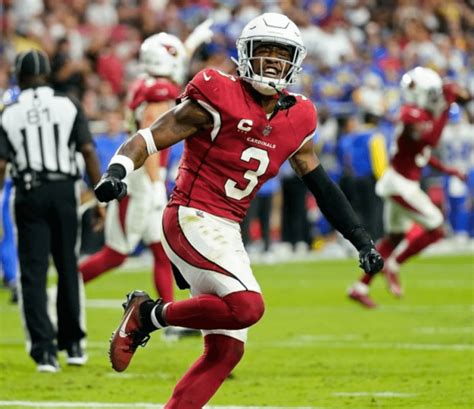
{"x":313,"y":348}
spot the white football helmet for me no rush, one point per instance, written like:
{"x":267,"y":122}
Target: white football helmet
{"x":423,"y":87}
{"x":164,"y":55}
{"x":271,"y":28}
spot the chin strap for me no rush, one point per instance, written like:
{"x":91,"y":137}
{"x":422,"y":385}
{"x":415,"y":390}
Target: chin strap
{"x":285,"y":101}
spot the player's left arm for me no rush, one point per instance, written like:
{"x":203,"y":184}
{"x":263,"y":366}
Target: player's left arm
{"x":335,"y":206}
{"x":456,"y":93}
{"x":435,"y":163}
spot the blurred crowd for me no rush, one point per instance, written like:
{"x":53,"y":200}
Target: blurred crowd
{"x":354,"y":46}
{"x":357,"y":52}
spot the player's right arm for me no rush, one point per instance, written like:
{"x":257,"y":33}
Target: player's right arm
{"x":152,"y":111}
{"x":173,"y":126}
{"x":168,"y":129}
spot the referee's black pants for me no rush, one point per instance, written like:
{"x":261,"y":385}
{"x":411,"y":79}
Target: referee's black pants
{"x":47,"y":222}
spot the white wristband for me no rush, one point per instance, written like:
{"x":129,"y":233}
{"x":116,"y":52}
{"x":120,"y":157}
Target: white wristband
{"x":150,"y":142}
{"x":125,"y":161}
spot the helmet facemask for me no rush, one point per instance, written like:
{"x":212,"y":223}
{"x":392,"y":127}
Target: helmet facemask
{"x":275,"y":30}
{"x":255,"y":65}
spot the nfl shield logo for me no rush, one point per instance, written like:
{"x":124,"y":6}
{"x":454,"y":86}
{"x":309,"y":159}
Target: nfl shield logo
{"x":267,"y":130}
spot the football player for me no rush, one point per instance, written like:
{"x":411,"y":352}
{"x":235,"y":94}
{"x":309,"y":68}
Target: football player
{"x":422,"y":119}
{"x":238,"y":131}
{"x":138,"y":216}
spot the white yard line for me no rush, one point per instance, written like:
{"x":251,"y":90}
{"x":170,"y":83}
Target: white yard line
{"x":444,"y":330}
{"x":328,"y":341}
{"x":370,"y":345}
{"x":429,"y":309}
{"x":52,"y":404}
{"x":104,"y":303}
{"x":387,"y":394}
{"x":317,"y":342}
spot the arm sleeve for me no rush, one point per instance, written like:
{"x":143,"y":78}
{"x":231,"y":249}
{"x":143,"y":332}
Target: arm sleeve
{"x":336,"y":208}
{"x":80,"y":130}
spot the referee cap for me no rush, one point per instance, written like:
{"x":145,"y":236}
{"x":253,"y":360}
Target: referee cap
{"x":31,"y":64}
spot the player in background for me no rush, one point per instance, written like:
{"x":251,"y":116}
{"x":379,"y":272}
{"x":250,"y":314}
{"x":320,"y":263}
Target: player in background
{"x":164,"y":59}
{"x":421,"y":122}
{"x":238,"y":131}
{"x":138,"y":216}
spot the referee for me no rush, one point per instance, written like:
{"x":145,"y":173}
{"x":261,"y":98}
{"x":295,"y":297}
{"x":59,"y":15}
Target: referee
{"x":39,"y":135}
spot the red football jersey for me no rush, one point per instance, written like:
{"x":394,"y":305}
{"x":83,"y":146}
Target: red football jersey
{"x":222,"y":168}
{"x":412,"y":155}
{"x":147,"y":90}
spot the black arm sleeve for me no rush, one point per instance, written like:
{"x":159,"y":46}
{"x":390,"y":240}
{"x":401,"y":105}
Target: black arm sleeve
{"x":336,"y":208}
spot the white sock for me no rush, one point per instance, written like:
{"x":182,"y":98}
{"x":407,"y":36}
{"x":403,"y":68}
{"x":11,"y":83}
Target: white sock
{"x":154,"y":320}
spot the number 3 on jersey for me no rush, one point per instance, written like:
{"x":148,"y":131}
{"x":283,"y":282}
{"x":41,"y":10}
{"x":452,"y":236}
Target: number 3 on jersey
{"x":261,"y":156}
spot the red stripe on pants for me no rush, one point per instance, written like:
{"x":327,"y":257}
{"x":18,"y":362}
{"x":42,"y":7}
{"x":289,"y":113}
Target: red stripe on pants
{"x":180,"y":245}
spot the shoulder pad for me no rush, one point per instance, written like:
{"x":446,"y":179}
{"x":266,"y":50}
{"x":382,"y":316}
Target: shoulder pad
{"x":410,"y":114}
{"x":153,"y":90}
{"x":309,"y":111}
{"x":212,"y":76}
{"x":207,"y":83}
{"x":304,"y":117}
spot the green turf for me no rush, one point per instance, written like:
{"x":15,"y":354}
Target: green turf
{"x":312,"y":348}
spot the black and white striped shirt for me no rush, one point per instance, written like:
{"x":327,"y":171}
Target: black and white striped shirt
{"x":41,"y":133}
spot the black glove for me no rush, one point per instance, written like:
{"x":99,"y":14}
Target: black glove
{"x":111,"y":186}
{"x":370,"y":260}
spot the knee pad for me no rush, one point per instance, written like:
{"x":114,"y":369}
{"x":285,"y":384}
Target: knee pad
{"x":247,"y":307}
